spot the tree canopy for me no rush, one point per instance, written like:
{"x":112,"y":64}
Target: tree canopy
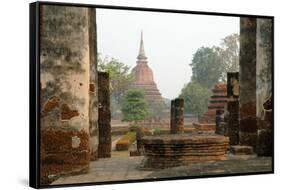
{"x":211,"y":64}
{"x":195,"y":98}
{"x":206,"y":66}
{"x":135,"y":107}
{"x":120,"y":79}
{"x":229,"y":53}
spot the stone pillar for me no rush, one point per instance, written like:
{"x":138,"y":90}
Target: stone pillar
{"x":139,"y":136}
{"x":178,"y":122}
{"x":104,"y":116}
{"x":172,"y":117}
{"x":64,"y":70}
{"x":93,"y":102}
{"x":233,"y":122}
{"x":233,"y":108}
{"x":264,"y":87}
{"x":248,"y":119}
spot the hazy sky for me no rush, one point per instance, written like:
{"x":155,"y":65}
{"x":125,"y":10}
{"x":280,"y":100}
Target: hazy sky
{"x":170,"y":40}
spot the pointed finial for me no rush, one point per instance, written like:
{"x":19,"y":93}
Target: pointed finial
{"x":141,"y":51}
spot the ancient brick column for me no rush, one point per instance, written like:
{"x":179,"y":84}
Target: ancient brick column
{"x":247,"y":79}
{"x":93,"y":93}
{"x":139,"y":135}
{"x":104,"y":117}
{"x":264,"y":87}
{"x":64,"y":79}
{"x":172,"y":117}
{"x":233,"y":108}
{"x":178,"y":122}
{"x":233,"y":122}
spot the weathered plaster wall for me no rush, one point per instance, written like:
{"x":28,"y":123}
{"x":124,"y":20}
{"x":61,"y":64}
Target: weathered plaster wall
{"x":264,"y":62}
{"x":264,"y":86}
{"x":66,"y":64}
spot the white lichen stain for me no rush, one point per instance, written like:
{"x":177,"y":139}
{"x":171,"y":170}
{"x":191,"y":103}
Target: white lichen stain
{"x":75,"y":142}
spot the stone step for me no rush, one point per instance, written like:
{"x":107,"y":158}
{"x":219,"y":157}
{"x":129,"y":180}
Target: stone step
{"x":241,"y":150}
{"x":205,"y":127}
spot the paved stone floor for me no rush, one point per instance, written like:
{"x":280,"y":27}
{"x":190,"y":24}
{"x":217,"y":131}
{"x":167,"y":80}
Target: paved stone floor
{"x":123,"y":167}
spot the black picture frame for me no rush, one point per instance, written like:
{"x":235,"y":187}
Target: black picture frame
{"x":34,"y":91}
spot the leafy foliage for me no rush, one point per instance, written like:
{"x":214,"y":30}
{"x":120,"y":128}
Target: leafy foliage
{"x":206,"y":67}
{"x":229,"y":53}
{"x":120,"y":79}
{"x":135,"y":107}
{"x":156,"y":108}
{"x":211,"y":64}
{"x":125,"y":142}
{"x":157,"y":131}
{"x":195,"y":98}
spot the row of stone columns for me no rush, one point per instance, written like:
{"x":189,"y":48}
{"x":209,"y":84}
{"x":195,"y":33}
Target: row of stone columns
{"x":246,"y":124}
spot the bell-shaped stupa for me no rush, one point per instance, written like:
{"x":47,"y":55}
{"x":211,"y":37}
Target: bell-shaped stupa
{"x":143,"y":77}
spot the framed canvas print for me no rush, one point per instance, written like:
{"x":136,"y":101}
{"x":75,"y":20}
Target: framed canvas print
{"x":125,"y":94}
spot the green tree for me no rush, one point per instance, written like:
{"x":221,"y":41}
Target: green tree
{"x":195,"y":98}
{"x":206,"y":67}
{"x":135,"y":107}
{"x":157,"y":109}
{"x":229,"y":53}
{"x":210,"y":65}
{"x":120,"y":79}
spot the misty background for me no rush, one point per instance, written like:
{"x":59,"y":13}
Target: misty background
{"x":170,"y":40}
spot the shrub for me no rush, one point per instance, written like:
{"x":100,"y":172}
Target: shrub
{"x":157,"y":131}
{"x":125,"y":142}
{"x":133,"y":128}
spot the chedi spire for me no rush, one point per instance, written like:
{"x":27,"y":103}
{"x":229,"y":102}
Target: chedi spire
{"x":141,"y":50}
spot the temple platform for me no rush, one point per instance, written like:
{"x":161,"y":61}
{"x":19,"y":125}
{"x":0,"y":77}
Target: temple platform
{"x":205,"y":127}
{"x":172,"y":150}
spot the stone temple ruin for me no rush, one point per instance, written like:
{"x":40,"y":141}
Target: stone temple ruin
{"x":75,"y":105}
{"x":239,"y":116}
{"x":177,"y":148}
{"x":218,"y":100}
